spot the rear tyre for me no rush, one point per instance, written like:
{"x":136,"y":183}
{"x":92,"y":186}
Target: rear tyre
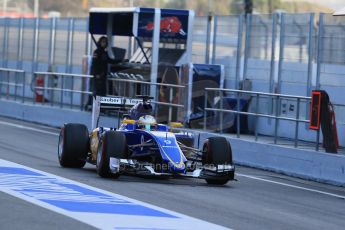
{"x":220,"y":181}
{"x":217,"y":151}
{"x":73,"y":145}
{"x":113,"y":145}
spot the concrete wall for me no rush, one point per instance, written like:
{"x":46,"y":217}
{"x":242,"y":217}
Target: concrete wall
{"x":306,"y":164}
{"x":323,"y":167}
{"x":51,"y":116}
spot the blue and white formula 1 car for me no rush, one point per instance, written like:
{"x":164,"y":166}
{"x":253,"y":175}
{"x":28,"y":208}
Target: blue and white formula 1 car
{"x":141,"y":146}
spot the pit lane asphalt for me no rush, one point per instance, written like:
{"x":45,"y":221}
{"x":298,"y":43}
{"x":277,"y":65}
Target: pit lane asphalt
{"x":258,"y":200}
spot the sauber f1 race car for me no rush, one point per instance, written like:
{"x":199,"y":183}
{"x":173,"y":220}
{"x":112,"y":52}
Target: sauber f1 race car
{"x":141,"y":146}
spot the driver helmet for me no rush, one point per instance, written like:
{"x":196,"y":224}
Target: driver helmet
{"x":147,"y":121}
{"x":139,"y":110}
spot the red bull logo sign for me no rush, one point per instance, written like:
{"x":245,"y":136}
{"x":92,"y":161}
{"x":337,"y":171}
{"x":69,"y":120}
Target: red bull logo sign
{"x":168,"y":25}
{"x":172,"y":25}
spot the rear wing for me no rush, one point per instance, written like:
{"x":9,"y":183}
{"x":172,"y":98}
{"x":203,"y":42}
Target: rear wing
{"x":110,"y":103}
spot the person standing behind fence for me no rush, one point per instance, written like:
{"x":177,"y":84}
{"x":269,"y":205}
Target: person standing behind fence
{"x":99,"y":69}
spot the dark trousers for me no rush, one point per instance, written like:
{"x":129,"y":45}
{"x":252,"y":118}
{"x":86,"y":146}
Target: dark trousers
{"x":98,"y":88}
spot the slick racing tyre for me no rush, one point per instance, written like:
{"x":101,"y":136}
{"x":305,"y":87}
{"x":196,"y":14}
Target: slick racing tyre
{"x":112,"y":145}
{"x":217,"y":151}
{"x":73,"y":145}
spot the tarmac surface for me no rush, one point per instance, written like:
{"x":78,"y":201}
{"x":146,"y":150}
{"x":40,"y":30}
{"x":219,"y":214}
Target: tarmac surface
{"x":258,"y":200}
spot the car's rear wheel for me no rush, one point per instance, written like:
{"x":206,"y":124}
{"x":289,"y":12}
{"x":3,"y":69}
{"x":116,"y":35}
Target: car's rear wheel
{"x":112,"y":147}
{"x":73,"y":145}
{"x":217,"y":151}
{"x":220,"y":181}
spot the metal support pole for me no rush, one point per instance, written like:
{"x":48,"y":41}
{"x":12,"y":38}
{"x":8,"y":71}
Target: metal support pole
{"x":276,"y":119}
{"x":170,"y":101}
{"x":70,"y":45}
{"x":155,"y":52}
{"x":297,"y":123}
{"x":15,"y":85}
{"x":1,"y":75}
{"x":274,"y":35}
{"x":52,"y":41}
{"x":281,"y":53}
{"x":88,"y":39}
{"x":52,"y":47}
{"x":5,"y":44}
{"x":23,"y":87}
{"x":8,"y":84}
{"x":310,"y":54}
{"x":35,"y":46}
{"x":205,"y":107}
{"x":238,"y":128}
{"x":72,"y":86}
{"x":300,"y":45}
{"x":319,"y":51}
{"x":256,"y":117}
{"x":246,"y":46}
{"x":20,"y":44}
{"x":34,"y":88}
{"x":239,"y":50}
{"x":4,"y":6}
{"x":44,"y":89}
{"x":61,"y":92}
{"x":208,"y":39}
{"x":214,"y":46}
{"x":221,"y":112}
{"x":20,"y":55}
{"x":36,"y":8}
{"x":266,"y":38}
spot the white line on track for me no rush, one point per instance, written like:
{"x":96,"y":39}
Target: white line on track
{"x":291,"y":186}
{"x":28,"y":128}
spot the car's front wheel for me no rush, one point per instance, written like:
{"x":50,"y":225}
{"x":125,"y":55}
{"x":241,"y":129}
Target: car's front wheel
{"x":112,"y":148}
{"x":73,"y":145}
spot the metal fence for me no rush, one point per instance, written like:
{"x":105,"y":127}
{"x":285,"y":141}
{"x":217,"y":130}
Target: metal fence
{"x":12,"y":84}
{"x":257,"y":113}
{"x":275,"y":50}
{"x":67,"y":90}
{"x":279,"y":53}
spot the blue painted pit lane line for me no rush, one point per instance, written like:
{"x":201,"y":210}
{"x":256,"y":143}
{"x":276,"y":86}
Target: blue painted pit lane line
{"x":90,"y":205}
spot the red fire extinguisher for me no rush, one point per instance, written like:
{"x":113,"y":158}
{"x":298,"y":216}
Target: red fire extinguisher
{"x":39,"y":88}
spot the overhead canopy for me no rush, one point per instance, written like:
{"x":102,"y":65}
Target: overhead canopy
{"x":340,"y":12}
{"x":137,"y":21}
{"x":122,"y":18}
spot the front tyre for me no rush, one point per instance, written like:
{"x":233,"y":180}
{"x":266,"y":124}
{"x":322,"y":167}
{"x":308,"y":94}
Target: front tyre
{"x":112,"y":148}
{"x":73,"y":145}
